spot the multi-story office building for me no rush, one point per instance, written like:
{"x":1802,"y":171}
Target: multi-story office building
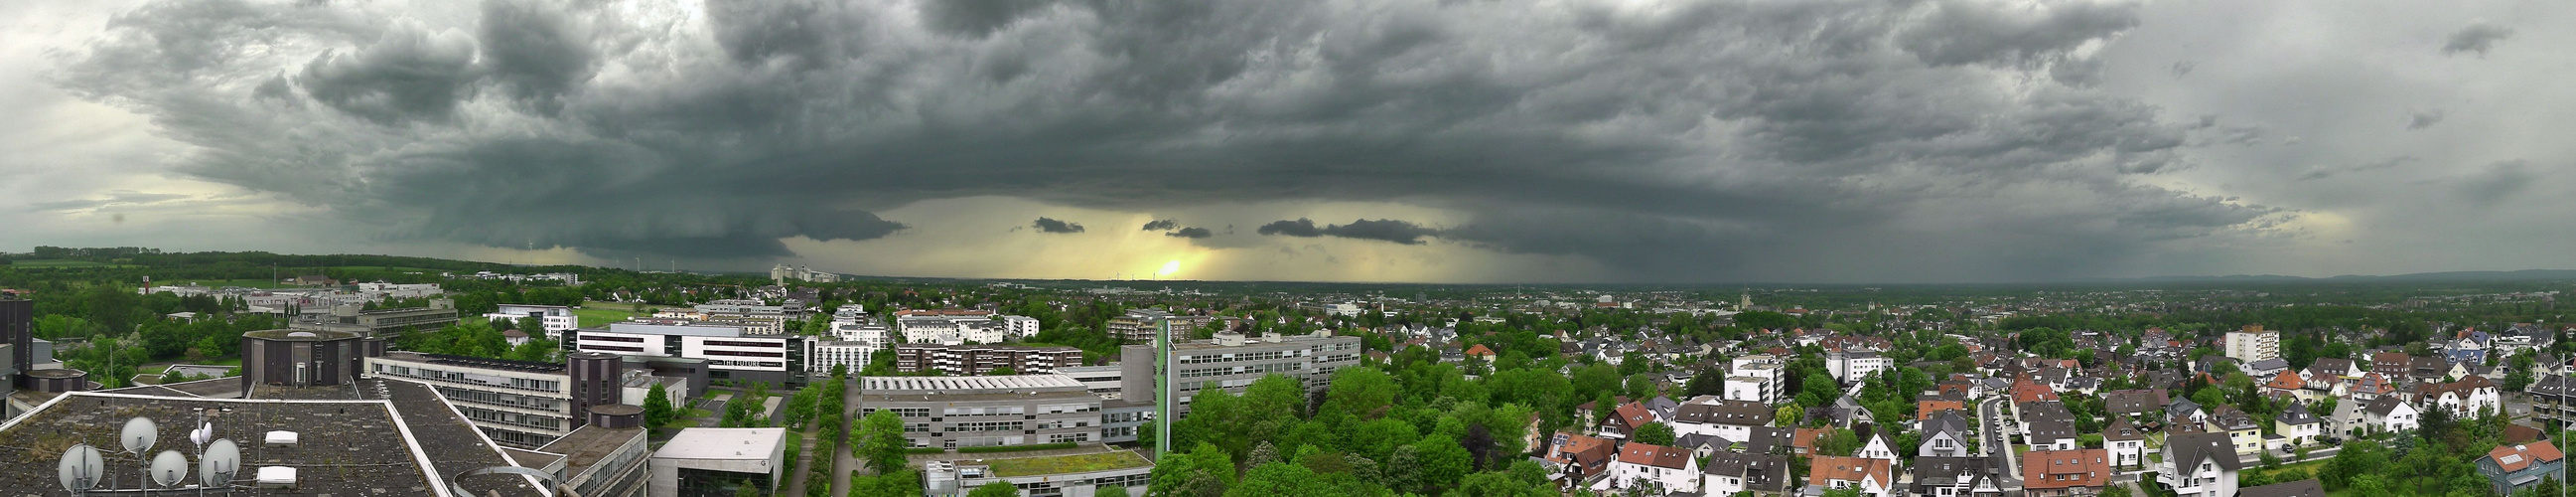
{"x":979,"y":411}
{"x":2253,"y":344}
{"x":387,"y":323}
{"x":977,"y":360}
{"x":1139,"y":325}
{"x":729,"y":352}
{"x":517,"y":403}
{"x":1232,"y":361}
{"x":1107,"y":380}
{"x":1755,"y":378}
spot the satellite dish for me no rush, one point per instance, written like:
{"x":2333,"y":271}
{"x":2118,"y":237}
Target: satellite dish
{"x":221,"y":461}
{"x":139,"y":435}
{"x":82,"y":468}
{"x":169,"y":467}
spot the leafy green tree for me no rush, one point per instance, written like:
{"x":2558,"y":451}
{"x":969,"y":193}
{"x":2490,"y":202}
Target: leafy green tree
{"x":1654,"y":434}
{"x":881,"y":442}
{"x":995,"y":489}
{"x":657,"y":406}
{"x":904,"y":482}
{"x":1279,"y":479}
{"x":1443,"y":461}
{"x":1361,"y":393}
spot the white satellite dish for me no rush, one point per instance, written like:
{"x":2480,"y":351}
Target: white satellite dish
{"x":139,"y":435}
{"x":82,"y":468}
{"x":221,"y":461}
{"x":169,"y":467}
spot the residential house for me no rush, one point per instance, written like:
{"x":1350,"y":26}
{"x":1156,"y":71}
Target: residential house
{"x":2510,"y":468}
{"x":2031,"y":414}
{"x":2465,"y":398}
{"x":1654,"y":467}
{"x":2297,"y":426}
{"x":1954,"y":477}
{"x":1875,"y":445}
{"x":1626,"y":419}
{"x":1730,"y":473}
{"x":2127,"y":444}
{"x":2429,"y":369}
{"x":2267,"y":367}
{"x":2329,"y":368}
{"x":2054,"y":434}
{"x":1944,"y":435}
{"x":1927,"y":408}
{"x":1873,"y":477}
{"x":2134,"y":403}
{"x":2553,"y":397}
{"x":2374,"y":385}
{"x":1581,"y":457}
{"x":2388,"y":414}
{"x":2391,"y":363}
{"x":2242,"y":432}
{"x":2054,"y":473}
{"x":2200,"y":465}
{"x":1729,"y":419}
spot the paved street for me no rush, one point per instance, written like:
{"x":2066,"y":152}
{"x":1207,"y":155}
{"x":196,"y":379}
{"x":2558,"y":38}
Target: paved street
{"x":1993,"y":428}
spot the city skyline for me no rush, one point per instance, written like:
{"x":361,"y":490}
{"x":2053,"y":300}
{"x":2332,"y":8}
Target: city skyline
{"x":1496,"y":142}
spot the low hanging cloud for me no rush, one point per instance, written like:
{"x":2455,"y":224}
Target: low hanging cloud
{"x":2423,"y":119}
{"x":1388,"y":230}
{"x":1162,"y":225}
{"x":2476,"y":38}
{"x":1051,"y":225}
{"x":716,"y":129}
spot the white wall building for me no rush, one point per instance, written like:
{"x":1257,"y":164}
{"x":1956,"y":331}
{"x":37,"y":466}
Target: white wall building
{"x":2253,"y":344}
{"x":558,"y":319}
{"x":712,"y":461}
{"x":729,"y":352}
{"x":1654,"y":467}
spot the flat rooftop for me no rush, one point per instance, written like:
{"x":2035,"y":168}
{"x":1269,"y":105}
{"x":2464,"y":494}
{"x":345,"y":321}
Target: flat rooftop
{"x":967,"y":384}
{"x":345,"y":447}
{"x":586,"y":446}
{"x":1057,"y":465}
{"x":300,"y":335}
{"x":723,"y":443}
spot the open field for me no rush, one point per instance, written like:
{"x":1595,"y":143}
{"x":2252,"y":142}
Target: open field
{"x":594,"y":314}
{"x":390,"y":269}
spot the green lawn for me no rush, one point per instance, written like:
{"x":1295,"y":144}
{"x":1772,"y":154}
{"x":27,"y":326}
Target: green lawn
{"x":596,"y":314}
{"x":1077,"y":463}
{"x":60,"y":263}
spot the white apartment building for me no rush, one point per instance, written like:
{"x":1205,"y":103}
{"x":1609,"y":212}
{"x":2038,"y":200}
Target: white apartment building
{"x":1755,"y":378}
{"x":730,"y":353}
{"x":1654,"y":467}
{"x":1851,"y":367}
{"x":558,"y":319}
{"x":2253,"y":344}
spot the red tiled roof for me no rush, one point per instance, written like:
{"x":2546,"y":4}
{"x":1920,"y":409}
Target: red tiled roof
{"x":1925,"y":409}
{"x":2287,"y":380}
{"x":1828,"y":469}
{"x":2054,"y":469}
{"x":2516,"y":457}
{"x":1635,"y":415}
{"x":1480,"y":350}
{"x":1654,"y":455}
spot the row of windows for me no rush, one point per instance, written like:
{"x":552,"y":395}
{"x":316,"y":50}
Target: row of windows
{"x":511,"y":418}
{"x":745,"y":354}
{"x":1251,"y":356}
{"x":984,"y":411}
{"x":499,"y":399}
{"x":974,"y":426}
{"x":736,"y":343}
{"x":1276,"y":367}
{"x":611,"y":338}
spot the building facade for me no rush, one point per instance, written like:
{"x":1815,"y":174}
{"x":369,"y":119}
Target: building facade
{"x":982,"y":411}
{"x":1232,"y":361}
{"x":729,"y":352}
{"x":2253,"y":343}
{"x":978,"y":360}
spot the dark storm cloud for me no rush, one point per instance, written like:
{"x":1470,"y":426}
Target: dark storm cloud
{"x":2476,"y":38}
{"x":409,"y":73}
{"x":1162,"y":224}
{"x":1388,"y":230}
{"x":2423,"y":119}
{"x":1051,"y":225}
{"x":1644,"y":140}
{"x":1191,"y":232}
{"x":533,"y":51}
{"x":2495,"y":183}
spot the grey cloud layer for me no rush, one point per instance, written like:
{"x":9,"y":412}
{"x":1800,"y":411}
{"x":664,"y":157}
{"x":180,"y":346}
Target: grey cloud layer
{"x":2476,"y":38}
{"x":1669,"y":144}
{"x":1051,"y":225}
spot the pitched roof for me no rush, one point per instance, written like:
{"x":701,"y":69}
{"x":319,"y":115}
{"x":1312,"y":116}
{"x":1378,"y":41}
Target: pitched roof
{"x":1946,"y":421}
{"x":2383,"y":405}
{"x":1925,"y":409}
{"x":2054,"y":469}
{"x":1828,"y":469}
{"x":2121,"y":430}
{"x":2302,"y":488}
{"x":2287,"y":380}
{"x":2135,"y":401}
{"x":2513,"y":458}
{"x":1634,"y":414}
{"x":2191,"y":448}
{"x":1654,"y":455}
{"x":1726,"y":412}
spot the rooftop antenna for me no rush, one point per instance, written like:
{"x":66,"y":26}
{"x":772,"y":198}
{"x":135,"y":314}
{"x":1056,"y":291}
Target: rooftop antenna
{"x":217,"y":464}
{"x":81,"y":468}
{"x":138,"y":437}
{"x":169,"y":467}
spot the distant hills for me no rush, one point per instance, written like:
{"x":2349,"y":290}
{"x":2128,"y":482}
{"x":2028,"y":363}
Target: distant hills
{"x":2446,"y":276}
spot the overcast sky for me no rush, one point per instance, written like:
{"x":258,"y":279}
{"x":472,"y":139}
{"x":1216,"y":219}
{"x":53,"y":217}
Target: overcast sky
{"x":1376,"y":140}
